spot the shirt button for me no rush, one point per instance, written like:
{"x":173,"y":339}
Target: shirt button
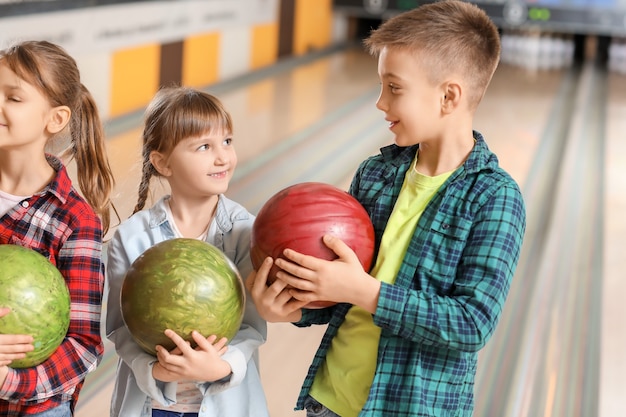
{"x":24,"y":204}
{"x":445,"y":226}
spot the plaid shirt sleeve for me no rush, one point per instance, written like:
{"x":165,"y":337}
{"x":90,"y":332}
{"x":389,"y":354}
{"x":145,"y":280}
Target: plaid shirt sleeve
{"x":71,"y":237}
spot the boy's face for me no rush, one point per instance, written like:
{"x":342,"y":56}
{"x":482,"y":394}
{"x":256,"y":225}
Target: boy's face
{"x":411,"y":103}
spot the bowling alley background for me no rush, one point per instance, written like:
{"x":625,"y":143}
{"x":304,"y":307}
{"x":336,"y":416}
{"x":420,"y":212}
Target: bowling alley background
{"x":126,"y":50}
{"x":302,"y":94}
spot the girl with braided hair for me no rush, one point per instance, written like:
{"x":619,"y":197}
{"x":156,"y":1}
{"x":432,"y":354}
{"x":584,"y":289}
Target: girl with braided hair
{"x":188,"y":140}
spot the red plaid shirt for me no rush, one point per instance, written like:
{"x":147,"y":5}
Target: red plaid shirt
{"x":59,"y":224}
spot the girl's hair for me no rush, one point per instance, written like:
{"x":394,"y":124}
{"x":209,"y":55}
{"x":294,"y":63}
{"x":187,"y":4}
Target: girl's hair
{"x":175,"y":114}
{"x":448,"y":36}
{"x":51,"y":70}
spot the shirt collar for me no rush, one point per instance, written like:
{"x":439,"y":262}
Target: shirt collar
{"x":397,"y":155}
{"x":479,"y":158}
{"x":61,"y":185}
{"x":158,"y":214}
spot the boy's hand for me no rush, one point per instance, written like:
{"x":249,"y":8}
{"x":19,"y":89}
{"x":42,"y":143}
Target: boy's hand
{"x":273,"y":302}
{"x":4,"y":371}
{"x":13,"y":346}
{"x":342,"y":280}
{"x":184,"y":363}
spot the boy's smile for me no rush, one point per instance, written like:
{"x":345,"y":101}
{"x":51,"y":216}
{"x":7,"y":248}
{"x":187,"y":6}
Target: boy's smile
{"x":392,"y":123}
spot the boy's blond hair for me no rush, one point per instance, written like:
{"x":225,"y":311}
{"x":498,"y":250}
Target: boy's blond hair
{"x":449,"y":37}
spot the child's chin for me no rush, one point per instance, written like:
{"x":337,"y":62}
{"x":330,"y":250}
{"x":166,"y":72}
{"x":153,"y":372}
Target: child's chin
{"x":402,"y":142}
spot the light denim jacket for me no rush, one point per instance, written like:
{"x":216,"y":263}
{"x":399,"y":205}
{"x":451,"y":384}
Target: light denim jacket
{"x":240,"y":396}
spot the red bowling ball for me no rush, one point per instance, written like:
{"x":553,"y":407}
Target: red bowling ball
{"x":297,"y":218}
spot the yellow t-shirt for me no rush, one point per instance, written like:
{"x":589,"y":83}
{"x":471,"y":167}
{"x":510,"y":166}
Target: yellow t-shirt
{"x":343,"y":381}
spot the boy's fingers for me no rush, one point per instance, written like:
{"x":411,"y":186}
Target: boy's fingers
{"x":341,"y":248}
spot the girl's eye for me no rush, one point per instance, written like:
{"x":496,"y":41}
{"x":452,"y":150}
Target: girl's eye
{"x":393,"y":88}
{"x":203,"y":147}
{"x":228,"y":141}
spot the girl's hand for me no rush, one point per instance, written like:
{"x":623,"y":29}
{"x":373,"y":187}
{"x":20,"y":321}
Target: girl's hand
{"x":274,"y":302}
{"x":13,"y":346}
{"x":184,"y":363}
{"x":342,"y":280}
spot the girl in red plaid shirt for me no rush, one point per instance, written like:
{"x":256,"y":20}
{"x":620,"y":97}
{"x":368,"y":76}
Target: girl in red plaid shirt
{"x":41,"y":99}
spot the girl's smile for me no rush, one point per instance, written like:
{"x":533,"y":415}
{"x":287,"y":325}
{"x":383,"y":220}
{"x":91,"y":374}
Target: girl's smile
{"x":219,"y":175}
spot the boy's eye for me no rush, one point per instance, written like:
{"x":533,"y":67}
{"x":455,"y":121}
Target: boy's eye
{"x":228,"y":141}
{"x":393,"y":87}
{"x":203,"y":147}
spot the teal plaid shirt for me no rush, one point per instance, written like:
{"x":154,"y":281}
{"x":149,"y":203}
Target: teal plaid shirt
{"x":449,"y":292}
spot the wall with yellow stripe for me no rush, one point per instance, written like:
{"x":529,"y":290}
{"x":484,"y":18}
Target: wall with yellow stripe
{"x":312,"y":25}
{"x":127,"y":52}
{"x":137,"y":72}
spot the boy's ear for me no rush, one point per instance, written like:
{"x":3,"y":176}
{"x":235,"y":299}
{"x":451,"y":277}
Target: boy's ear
{"x":59,"y":118}
{"x":451,"y":96}
{"x":159,"y":162}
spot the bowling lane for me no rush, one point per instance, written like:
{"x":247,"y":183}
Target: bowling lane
{"x":514,"y":113}
{"x":613,"y":360}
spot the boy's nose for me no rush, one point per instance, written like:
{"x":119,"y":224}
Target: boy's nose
{"x":381,"y":104}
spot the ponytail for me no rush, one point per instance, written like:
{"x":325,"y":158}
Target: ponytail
{"x":95,"y":177}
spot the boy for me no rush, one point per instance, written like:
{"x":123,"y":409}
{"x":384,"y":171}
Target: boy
{"x":449,"y":224}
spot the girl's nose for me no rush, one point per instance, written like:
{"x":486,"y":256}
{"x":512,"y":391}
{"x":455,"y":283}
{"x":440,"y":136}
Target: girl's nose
{"x":221,"y":157}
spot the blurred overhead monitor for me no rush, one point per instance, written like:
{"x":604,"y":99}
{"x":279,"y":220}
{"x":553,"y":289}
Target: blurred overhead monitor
{"x":600,"y":17}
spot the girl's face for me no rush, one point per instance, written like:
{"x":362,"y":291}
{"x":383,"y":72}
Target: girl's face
{"x":411,"y":103}
{"x":201,"y":166}
{"x":24,"y":113}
